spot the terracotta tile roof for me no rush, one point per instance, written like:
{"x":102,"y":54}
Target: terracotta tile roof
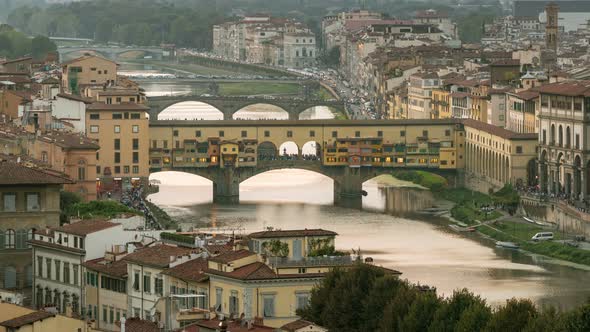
{"x":84,"y":57}
{"x":75,"y":98}
{"x":86,"y":227}
{"x":157,"y":255}
{"x":116,"y":107}
{"x":526,"y":95}
{"x":296,"y":325}
{"x":292,"y":233}
{"x":506,"y":62}
{"x":17,"y":60}
{"x":193,"y":270}
{"x":217,"y":249}
{"x":71,"y":141}
{"x":134,"y":324}
{"x":259,"y":271}
{"x":29,"y":318}
{"x":233,"y":326}
{"x":18,"y":174}
{"x":498,"y":131}
{"x":116,"y":269}
{"x":573,"y":88}
{"x":231,"y":256}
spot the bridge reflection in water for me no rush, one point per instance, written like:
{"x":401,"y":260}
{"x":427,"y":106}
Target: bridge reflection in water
{"x":348,"y":152}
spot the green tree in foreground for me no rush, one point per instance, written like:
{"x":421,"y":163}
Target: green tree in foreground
{"x":367,"y":298}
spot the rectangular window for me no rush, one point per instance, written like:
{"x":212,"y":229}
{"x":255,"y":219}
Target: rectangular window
{"x":109,"y":100}
{"x":117,"y":116}
{"x":9,"y":202}
{"x":48,"y":264}
{"x":244,"y":133}
{"x":266,"y":133}
{"x":147,"y":278}
{"x":159,"y":286}
{"x":117,"y":157}
{"x":198,"y":133}
{"x":233,"y":303}
{"x":125,"y":169}
{"x":518,"y":149}
{"x":302,"y":301}
{"x":76,"y":270}
{"x":39,"y":266}
{"x":117,"y":129}
{"x":94,"y":129}
{"x":118,"y":99}
{"x":135,"y":129}
{"x":334,"y":134}
{"x":81,"y":173}
{"x":175,"y":133}
{"x":135,"y":144}
{"x":218,"y":297}
{"x":379,"y":133}
{"x":135,"y":116}
{"x":357,"y":133}
{"x":57,"y":270}
{"x":117,"y":169}
{"x":136,"y":281}
{"x":402,"y":133}
{"x":424,"y":133}
{"x":221,"y":133}
{"x":448,"y":132}
{"x":577,"y":141}
{"x":289,"y":133}
{"x":33,"y":202}
{"x":104,"y":313}
{"x":66,"y":273}
{"x":135,"y":157}
{"x":95,"y":116}
{"x":117,"y":144}
{"x":135,"y":169}
{"x":269,"y":305}
{"x":312,"y":133}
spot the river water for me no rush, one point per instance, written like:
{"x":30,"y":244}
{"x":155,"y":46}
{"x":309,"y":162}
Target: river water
{"x":426,"y":251}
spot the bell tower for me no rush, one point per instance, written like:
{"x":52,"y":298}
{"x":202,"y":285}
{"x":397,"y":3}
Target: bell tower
{"x":552,"y":26}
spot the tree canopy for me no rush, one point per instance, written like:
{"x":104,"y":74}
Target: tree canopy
{"x":367,"y":298}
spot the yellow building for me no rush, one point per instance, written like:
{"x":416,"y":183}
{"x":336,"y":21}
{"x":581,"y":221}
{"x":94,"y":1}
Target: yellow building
{"x":114,"y":95}
{"x":106,"y":289}
{"x":301,"y":243}
{"x":441,"y":104}
{"x":123,"y":135}
{"x":496,"y":156}
{"x":87,"y":70}
{"x":241,"y":284}
{"x":14,"y":318}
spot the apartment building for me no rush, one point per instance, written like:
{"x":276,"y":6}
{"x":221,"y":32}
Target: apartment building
{"x":121,"y":130}
{"x":30,"y":201}
{"x":420,"y":90}
{"x":87,"y":70}
{"x":522,"y":111}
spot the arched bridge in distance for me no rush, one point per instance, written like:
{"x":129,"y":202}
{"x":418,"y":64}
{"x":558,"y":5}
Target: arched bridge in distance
{"x":350,"y":152}
{"x":111,"y":52}
{"x":230,"y":105}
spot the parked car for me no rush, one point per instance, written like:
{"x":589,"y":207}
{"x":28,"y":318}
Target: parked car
{"x":542,"y":236}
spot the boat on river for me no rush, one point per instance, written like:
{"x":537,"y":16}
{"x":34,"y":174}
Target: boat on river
{"x":507,"y":245}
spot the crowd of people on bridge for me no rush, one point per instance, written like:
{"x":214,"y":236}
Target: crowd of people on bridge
{"x":288,"y":156}
{"x":133,"y":199}
{"x":561,"y":196}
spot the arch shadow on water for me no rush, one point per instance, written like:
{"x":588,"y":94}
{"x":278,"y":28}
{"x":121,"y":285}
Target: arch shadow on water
{"x":261,"y":111}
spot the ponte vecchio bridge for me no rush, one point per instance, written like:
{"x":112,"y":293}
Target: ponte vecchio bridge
{"x":230,"y":105}
{"x":350,"y":152}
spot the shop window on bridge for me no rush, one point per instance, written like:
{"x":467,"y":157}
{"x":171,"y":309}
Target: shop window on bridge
{"x":434,"y":160}
{"x":402,"y":133}
{"x":198,"y":133}
{"x":266,"y":133}
{"x":357,"y":134}
{"x":221,"y":133}
{"x":400,"y":160}
{"x":244,"y":133}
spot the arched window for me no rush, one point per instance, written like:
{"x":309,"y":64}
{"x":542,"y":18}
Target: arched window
{"x":9,"y":239}
{"x":81,"y":170}
{"x":552,"y":134}
{"x":21,"y":239}
{"x":568,"y":135}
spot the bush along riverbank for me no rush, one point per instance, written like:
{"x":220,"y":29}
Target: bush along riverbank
{"x":492,"y":216}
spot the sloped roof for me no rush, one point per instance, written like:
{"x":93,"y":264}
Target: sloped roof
{"x":296,"y":325}
{"x":157,"y":255}
{"x":18,"y":174}
{"x":573,"y":88}
{"x":498,"y":131}
{"x":231,"y":256}
{"x":26,"y":319}
{"x":86,"y":227}
{"x":193,"y":270}
{"x":116,"y":269}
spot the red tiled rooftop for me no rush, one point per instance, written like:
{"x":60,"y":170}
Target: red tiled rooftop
{"x":157,"y":255}
{"x":498,"y":131}
{"x":572,"y":88}
{"x":233,"y":326}
{"x":116,"y":107}
{"x":17,"y":174}
{"x":193,"y":270}
{"x":26,"y":319}
{"x":116,"y":269}
{"x":86,"y":227}
{"x":134,"y":324}
{"x":231,"y":256}
{"x":296,"y":325}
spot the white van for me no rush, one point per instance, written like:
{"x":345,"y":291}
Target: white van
{"x":543,"y":236}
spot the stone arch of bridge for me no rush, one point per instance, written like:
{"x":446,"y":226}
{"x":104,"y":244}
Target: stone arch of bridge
{"x":80,"y":52}
{"x":166,"y":106}
{"x":235,"y":115}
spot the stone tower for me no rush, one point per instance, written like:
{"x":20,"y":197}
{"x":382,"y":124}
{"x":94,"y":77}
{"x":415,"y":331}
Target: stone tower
{"x":552,"y":26}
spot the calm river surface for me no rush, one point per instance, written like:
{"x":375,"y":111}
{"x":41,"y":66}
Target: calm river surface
{"x":426,"y":251}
